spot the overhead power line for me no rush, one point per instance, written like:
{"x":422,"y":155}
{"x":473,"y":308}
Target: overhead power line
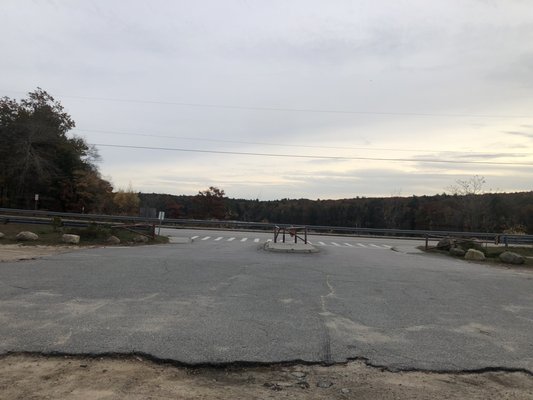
{"x":288,"y":109}
{"x":285,"y":144}
{"x":416,"y":160}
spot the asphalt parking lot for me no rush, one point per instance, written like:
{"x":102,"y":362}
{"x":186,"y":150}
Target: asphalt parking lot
{"x":218,"y":301}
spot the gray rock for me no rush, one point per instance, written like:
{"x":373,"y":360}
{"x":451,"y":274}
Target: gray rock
{"x":70,"y":239}
{"x":345,"y":391}
{"x":299,"y":374}
{"x":509,"y":257}
{"x":445,"y":243}
{"x":26,"y":236}
{"x":140,"y":239}
{"x":457,"y":252}
{"x":324,"y":384}
{"x":474,"y":255}
{"x":113,"y":240}
{"x":1,"y":235}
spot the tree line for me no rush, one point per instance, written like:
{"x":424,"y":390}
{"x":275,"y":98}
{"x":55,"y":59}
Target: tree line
{"x":491,"y":212}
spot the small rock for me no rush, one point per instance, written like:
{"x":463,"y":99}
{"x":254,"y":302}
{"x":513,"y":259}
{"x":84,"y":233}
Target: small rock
{"x":26,"y":236}
{"x":511,"y":258}
{"x":1,"y":235}
{"x":70,"y":239}
{"x":140,"y":239}
{"x":299,"y":374}
{"x":457,"y":251}
{"x":345,"y":391}
{"x":445,"y":243}
{"x":474,"y":255}
{"x":303,"y":384}
{"x":272,"y":386}
{"x":113,"y":240}
{"x":324,"y":384}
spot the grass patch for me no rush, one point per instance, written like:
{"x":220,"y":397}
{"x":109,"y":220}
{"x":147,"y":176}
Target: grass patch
{"x":495,"y":251}
{"x":50,"y":235}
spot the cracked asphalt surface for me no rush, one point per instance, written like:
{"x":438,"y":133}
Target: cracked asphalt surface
{"x":219,"y":302}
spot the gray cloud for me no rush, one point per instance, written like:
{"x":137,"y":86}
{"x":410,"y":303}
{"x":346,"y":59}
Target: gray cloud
{"x":468,"y":58}
{"x":522,"y":134}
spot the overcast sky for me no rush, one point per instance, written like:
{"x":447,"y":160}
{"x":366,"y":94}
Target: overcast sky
{"x":377,"y":98}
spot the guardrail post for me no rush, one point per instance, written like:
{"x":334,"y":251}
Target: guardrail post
{"x":427,"y":241}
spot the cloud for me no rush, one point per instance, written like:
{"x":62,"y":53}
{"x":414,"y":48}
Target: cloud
{"x":521,"y":134}
{"x":469,"y":59}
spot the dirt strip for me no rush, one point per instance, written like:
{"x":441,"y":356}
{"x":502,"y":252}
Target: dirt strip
{"x":132,"y":377}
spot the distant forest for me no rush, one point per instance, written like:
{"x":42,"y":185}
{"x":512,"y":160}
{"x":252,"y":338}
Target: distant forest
{"x":493,"y":212}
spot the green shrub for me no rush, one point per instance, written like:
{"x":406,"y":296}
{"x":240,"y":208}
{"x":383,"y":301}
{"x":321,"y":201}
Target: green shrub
{"x":57,"y":224}
{"x":93,"y":231}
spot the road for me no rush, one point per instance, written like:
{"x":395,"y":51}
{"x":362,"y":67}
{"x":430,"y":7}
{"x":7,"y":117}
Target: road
{"x":223,"y":299}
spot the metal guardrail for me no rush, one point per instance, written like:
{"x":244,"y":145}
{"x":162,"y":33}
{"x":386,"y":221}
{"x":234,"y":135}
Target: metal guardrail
{"x":514,"y":239}
{"x":19,"y":215}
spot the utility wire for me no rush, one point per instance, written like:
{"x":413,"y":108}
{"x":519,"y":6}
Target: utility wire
{"x":286,"y":144}
{"x":286,"y":109}
{"x":420,"y":160}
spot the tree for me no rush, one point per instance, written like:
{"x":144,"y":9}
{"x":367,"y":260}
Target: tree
{"x":127,"y":201}
{"x":210,"y":203}
{"x":471,"y":203}
{"x":37,"y":156}
{"x":471,"y":186}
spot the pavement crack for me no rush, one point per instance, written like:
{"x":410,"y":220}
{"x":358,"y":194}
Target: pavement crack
{"x":15,"y":286}
{"x":143,"y":357}
{"x":325,"y":345}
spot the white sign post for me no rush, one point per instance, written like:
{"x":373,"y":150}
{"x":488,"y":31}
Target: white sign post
{"x":160,"y":217}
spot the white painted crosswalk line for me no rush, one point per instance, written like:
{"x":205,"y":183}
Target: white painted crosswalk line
{"x":231,"y":239}
{"x":387,"y":246}
{"x":322,"y":243}
{"x":206,"y":238}
{"x":218,"y":238}
{"x":256,"y":240}
{"x":195,"y":237}
{"x":375,"y":246}
{"x":335,"y":244}
{"x":348,"y":244}
{"x":244,"y":239}
{"x":361,"y":244}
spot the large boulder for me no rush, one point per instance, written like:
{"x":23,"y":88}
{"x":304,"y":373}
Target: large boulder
{"x":474,"y":255}
{"x":26,"y":236}
{"x":445,"y":243}
{"x":140,"y":239}
{"x":113,"y":240}
{"x":471,"y":243}
{"x":457,"y":252}
{"x":509,"y":257}
{"x":70,"y":239}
